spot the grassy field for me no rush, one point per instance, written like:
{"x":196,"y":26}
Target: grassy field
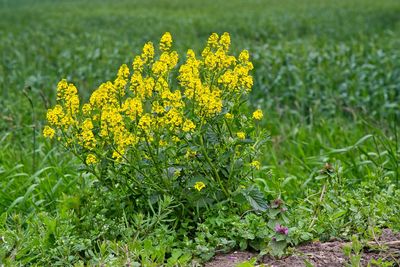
{"x":326,"y":75}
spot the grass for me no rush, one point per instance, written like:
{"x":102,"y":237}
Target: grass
{"x":327,"y":75}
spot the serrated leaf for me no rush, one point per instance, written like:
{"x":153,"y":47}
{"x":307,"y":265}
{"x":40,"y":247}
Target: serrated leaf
{"x":277,"y":247}
{"x":256,"y":199}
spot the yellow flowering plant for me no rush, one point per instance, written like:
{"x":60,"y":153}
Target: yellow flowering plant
{"x":163,"y":129}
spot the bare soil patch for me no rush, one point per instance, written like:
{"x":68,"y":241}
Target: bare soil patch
{"x":386,"y":247}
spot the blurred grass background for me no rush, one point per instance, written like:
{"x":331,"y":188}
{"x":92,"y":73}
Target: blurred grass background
{"x":327,"y":75}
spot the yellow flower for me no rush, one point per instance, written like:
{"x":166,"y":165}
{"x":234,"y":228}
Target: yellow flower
{"x":48,"y":132}
{"x":189,"y":74}
{"x":177,"y":173}
{"x":255,"y":164}
{"x":244,"y":56}
{"x":229,"y":116}
{"x":225,"y":41}
{"x":230,"y":80}
{"x":122,"y":79}
{"x":188,"y":125}
{"x":258,"y":114}
{"x":91,"y":159}
{"x":142,"y":105}
{"x":138,"y":64}
{"x":213,"y":40}
{"x":68,"y":95}
{"x":132,"y":107}
{"x":86,"y":108}
{"x":104,"y":95}
{"x":166,"y":42}
{"x":145,"y":122}
{"x":55,"y":115}
{"x":210,"y":101}
{"x":148,"y":52}
{"x":117,"y":155}
{"x":190,"y":154}
{"x":241,"y":135}
{"x":87,"y":138}
{"x":157,"y":108}
{"x":173,"y":118}
{"x":175,"y":139}
{"x":199,"y":186}
{"x":61,"y":87}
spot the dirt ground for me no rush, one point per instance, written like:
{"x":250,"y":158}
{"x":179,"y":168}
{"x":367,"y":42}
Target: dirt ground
{"x":386,"y":247}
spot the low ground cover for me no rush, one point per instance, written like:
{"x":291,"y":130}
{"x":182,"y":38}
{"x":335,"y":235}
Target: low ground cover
{"x":326,"y":77}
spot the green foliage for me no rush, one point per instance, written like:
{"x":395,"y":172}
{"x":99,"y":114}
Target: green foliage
{"x":144,"y":137}
{"x":353,"y":252}
{"x":249,"y":263}
{"x":326,"y":75}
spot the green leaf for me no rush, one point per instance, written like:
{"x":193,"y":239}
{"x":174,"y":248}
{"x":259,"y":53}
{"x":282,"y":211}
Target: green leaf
{"x":277,"y":248}
{"x":249,"y":263}
{"x":255,"y":198}
{"x":307,"y":263}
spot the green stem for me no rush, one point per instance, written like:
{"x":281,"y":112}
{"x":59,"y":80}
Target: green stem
{"x":212,"y":167}
{"x":154,"y":161}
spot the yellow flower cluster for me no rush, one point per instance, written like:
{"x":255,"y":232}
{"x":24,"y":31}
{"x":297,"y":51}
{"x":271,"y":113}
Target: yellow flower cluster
{"x":48,"y":132}
{"x":188,"y":126}
{"x":69,"y":95}
{"x":229,"y":116}
{"x":255,"y":164}
{"x":91,"y":159}
{"x":199,"y":186}
{"x":206,"y":95}
{"x":63,"y":114}
{"x":132,"y":107}
{"x":166,"y":42}
{"x":258,"y":114}
{"x":202,"y":79}
{"x":87,"y":139}
{"x":241,"y":135}
{"x":140,"y":106}
{"x":113,"y":129}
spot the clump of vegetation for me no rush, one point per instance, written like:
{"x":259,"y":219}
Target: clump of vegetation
{"x":143,"y":170}
{"x":156,"y":133}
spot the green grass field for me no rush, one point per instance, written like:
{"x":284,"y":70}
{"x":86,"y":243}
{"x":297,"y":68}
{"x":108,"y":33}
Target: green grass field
{"x":326,"y":75}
